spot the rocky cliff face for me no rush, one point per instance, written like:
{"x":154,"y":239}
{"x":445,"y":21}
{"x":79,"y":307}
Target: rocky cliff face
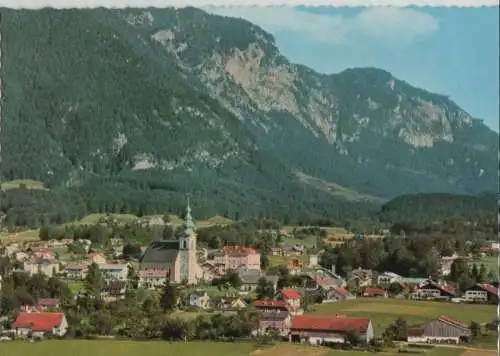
{"x":183,"y":91}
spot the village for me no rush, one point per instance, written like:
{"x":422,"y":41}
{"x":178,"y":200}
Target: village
{"x":291,"y":300}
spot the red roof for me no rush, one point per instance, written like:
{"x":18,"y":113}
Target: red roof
{"x":330,"y":323}
{"x":278,"y":304}
{"x":489,"y":289}
{"x":48,"y":302}
{"x":374,"y":291}
{"x":342,"y":291}
{"x":39,"y":321}
{"x":447,"y":320}
{"x":290,"y":294}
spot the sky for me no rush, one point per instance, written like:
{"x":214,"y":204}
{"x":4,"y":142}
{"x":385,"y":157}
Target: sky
{"x":450,"y":51}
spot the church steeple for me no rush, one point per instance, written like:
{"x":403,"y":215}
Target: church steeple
{"x":189,"y":226}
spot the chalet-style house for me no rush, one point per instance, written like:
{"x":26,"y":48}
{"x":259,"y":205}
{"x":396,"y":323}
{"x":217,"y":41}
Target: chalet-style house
{"x":114,"y":271}
{"x":39,"y":324}
{"x":434,"y":291}
{"x":113,"y":290}
{"x":199,"y":299}
{"x":483,"y":293}
{"x":271,"y":306}
{"x":152,"y":278}
{"x":76,"y":271}
{"x":387,"y":278}
{"x":279,"y":322}
{"x":292,"y":299}
{"x":319,"y":330}
{"x":46,"y":267}
{"x":337,"y":294}
{"x":439,"y":330}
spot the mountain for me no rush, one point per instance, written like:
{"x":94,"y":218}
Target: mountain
{"x":147,"y":105}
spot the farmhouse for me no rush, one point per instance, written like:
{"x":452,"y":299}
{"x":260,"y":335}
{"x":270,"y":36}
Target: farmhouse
{"x":233,"y":257}
{"x":38,"y":324}
{"x":279,"y":321}
{"x":482,"y":293}
{"x":434,"y":290}
{"x":292,"y":299}
{"x":114,"y":271}
{"x":269,"y":306}
{"x":439,"y":330}
{"x":336,"y":294}
{"x":319,"y":330}
{"x":76,"y":271}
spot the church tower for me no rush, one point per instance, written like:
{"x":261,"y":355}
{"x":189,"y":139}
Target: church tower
{"x":187,"y":249}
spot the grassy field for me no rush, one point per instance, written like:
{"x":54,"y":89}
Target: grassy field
{"x":383,"y":312}
{"x":30,"y":184}
{"x":161,"y":348}
{"x":28,"y":235}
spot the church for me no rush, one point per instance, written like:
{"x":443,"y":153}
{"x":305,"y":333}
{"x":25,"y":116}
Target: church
{"x":171,"y":259}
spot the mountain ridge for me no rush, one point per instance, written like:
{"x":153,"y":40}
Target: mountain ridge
{"x":180,"y":101}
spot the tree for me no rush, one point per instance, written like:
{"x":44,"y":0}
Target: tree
{"x":265,"y":289}
{"x":131,"y":251}
{"x":168,"y":232}
{"x":395,"y":288}
{"x":475,"y":329}
{"x":264,"y":262}
{"x":94,"y":281}
{"x":169,"y":296}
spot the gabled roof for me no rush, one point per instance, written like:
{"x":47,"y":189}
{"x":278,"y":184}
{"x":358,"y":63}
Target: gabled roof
{"x":452,"y":322}
{"x":290,"y":294}
{"x":48,"y":302}
{"x":161,"y":252}
{"x":489,"y":289}
{"x":330,"y":323}
{"x":448,"y":289}
{"x":44,"y":322}
{"x":277,"y":304}
{"x":342,"y":291}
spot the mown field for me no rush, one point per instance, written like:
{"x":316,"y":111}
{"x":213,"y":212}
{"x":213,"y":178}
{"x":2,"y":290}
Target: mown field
{"x":162,"y":348}
{"x":383,"y":312}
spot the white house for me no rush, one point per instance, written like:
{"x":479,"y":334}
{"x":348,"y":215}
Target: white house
{"x":40,"y":323}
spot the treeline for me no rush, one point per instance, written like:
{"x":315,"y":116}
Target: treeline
{"x":429,"y":208}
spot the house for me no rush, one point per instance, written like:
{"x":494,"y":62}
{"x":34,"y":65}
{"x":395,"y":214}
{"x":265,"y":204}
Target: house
{"x":250,"y":280}
{"x":48,"y":303}
{"x":482,"y":293}
{"x":278,"y":321}
{"x":114,"y":271}
{"x":199,"y":299}
{"x":113,"y":290}
{"x":231,"y":303}
{"x":294,"y":266}
{"x":48,"y":268}
{"x":439,"y":330}
{"x":337,"y":294}
{"x":269,"y":306}
{"x":43,"y":253}
{"x":387,"y":278}
{"x":96,"y":257}
{"x":324,"y":282}
{"x":276,"y":251}
{"x":41,"y":323}
{"x":152,"y":278}
{"x":362,"y":277}
{"x":374,"y":292}
{"x":434,"y":290}
{"x":292,"y":299}
{"x":234,"y":257}
{"x":76,"y":271}
{"x":319,"y":330}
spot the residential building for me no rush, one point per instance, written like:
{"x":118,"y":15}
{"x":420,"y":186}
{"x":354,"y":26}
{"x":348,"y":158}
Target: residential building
{"x":199,"y":299}
{"x":482,"y":293}
{"x":439,"y":330}
{"x":48,"y":268}
{"x":294,"y":266}
{"x":113,"y":290}
{"x":317,"y":330}
{"x":48,"y":303}
{"x":233,"y":257}
{"x":278,"y":321}
{"x":434,"y":290}
{"x":41,"y":323}
{"x":270,"y":306}
{"x":152,"y":278}
{"x":176,"y":258}
{"x":374,"y":292}
{"x":388,"y":278}
{"x":96,"y":257}
{"x":292,"y":299}
{"x":43,"y":253}
{"x":76,"y":271}
{"x":337,"y":294}
{"x":114,"y":271}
